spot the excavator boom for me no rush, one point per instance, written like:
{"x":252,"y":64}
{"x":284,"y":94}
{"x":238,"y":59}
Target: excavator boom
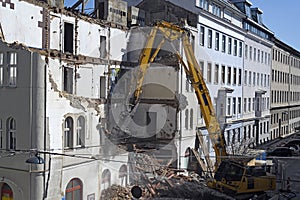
{"x":191,"y":67}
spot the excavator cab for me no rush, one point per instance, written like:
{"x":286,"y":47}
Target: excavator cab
{"x":234,"y":178}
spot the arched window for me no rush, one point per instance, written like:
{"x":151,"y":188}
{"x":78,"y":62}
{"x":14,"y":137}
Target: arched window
{"x":80,"y":131}
{"x":68,"y":133}
{"x":123,"y":175}
{"x":105,"y":179}
{"x":6,"y":192}
{"x":191,"y":118}
{"x":186,"y":124}
{"x":74,"y":190}
{"x":11,"y":133}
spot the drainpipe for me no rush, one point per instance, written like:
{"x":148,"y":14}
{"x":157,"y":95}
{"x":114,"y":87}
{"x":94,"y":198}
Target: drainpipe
{"x":180,"y":114}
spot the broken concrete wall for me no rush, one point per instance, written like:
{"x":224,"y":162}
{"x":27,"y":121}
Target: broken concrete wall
{"x":136,"y":16}
{"x":168,"y":11}
{"x":112,"y":10}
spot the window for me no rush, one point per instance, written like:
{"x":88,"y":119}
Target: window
{"x":204,"y":4}
{"x":1,"y":69}
{"x":208,"y":72}
{"x":234,"y":105}
{"x":234,"y":75}
{"x":123,"y":175}
{"x":223,"y":74}
{"x":258,"y":55}
{"x":11,"y":133}
{"x":254,"y":78}
{"x":265,"y":80}
{"x":103,"y":51}
{"x":209,"y":41}
{"x":235,"y":47}
{"x":68,"y":133}
{"x":246,"y":51}
{"x":245,"y":77}
{"x":6,"y":192}
{"x":68,"y":37}
{"x":249,"y":79}
{"x":191,"y":118}
{"x":217,"y":43}
{"x":266,"y":57}
{"x":201,"y":36}
{"x":258,"y":78}
{"x":240,"y":49}
{"x":254,"y":55}
{"x":250,"y":52}
{"x":68,"y":79}
{"x":106,"y":179}
{"x":229,"y":75}
{"x":201,"y":65}
{"x":223,"y":43}
{"x":74,"y":190}
{"x":186,"y":124}
{"x":12,"y":68}
{"x":80,"y":131}
{"x":228,"y":106}
{"x":229,"y":45}
{"x":216,"y":10}
{"x":245,"y":105}
{"x":249,"y":104}
{"x":239,"y":105}
{"x":216,"y":73}
{"x":102,"y":87}
{"x":240,"y":76}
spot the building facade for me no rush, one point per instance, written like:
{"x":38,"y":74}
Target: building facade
{"x":284,"y":81}
{"x":54,"y":68}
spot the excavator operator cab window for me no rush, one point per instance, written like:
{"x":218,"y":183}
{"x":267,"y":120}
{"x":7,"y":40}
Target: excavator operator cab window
{"x":230,"y":171}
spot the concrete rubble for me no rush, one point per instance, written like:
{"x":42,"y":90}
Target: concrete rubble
{"x":163,"y":182}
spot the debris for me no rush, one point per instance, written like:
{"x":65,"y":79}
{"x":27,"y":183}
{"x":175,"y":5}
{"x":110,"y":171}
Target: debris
{"x":116,"y":192}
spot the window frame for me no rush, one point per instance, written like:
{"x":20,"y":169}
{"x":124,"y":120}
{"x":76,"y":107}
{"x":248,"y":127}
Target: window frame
{"x":11,"y":133}
{"x":12,"y":67}
{"x":74,"y":185}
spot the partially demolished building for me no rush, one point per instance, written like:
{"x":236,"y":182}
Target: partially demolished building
{"x":65,"y":79}
{"x":54,"y":71}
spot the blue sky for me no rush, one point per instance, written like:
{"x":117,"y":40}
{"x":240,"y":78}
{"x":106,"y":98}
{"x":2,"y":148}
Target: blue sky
{"x":278,"y":15}
{"x":281,"y":18}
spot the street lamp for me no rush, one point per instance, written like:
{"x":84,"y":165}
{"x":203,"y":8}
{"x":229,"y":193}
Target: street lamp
{"x":36,"y":159}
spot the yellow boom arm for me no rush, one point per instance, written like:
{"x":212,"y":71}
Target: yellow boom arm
{"x":173,"y":32}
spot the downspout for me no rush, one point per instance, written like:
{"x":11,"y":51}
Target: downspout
{"x":180,"y":115}
{"x":108,"y":60}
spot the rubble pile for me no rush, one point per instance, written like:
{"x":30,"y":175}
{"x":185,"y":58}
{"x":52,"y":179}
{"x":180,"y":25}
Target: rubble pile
{"x":116,"y":192}
{"x":166,"y":183}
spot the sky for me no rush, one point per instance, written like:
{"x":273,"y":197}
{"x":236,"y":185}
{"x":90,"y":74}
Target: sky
{"x":281,"y":18}
{"x":278,"y":15}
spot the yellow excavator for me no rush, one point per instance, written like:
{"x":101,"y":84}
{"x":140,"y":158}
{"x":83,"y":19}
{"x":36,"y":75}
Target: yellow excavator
{"x":230,"y":176}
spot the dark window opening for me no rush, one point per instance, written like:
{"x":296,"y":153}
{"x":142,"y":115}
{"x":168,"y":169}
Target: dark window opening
{"x":68,"y":80}
{"x":68,"y":38}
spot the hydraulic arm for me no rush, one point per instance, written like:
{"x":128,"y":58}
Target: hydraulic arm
{"x":191,"y":67}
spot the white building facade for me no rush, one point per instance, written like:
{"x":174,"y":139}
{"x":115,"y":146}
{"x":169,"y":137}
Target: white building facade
{"x":54,"y":68}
